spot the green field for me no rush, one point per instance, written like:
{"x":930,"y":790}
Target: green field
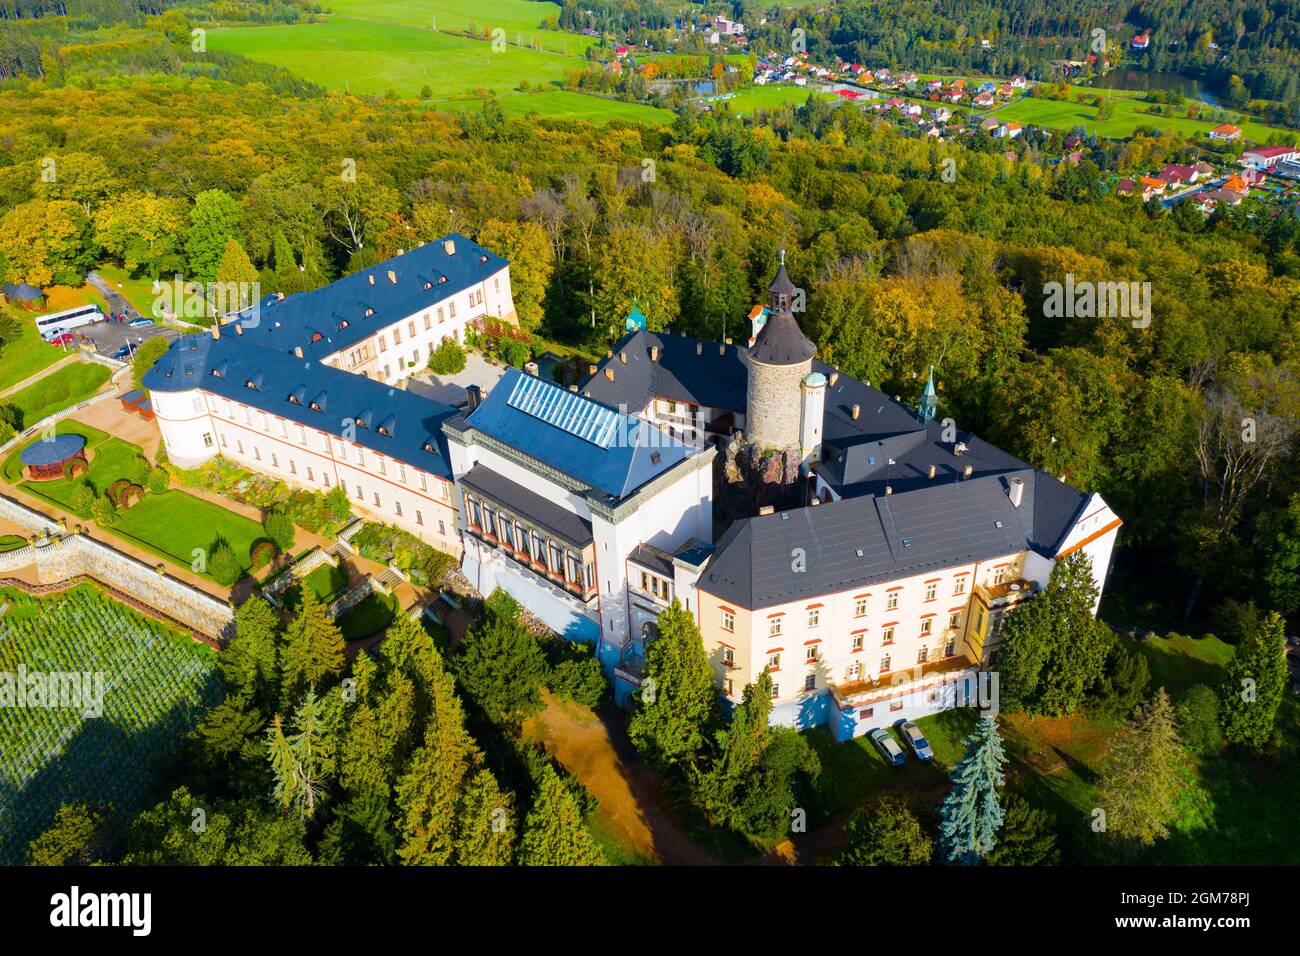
{"x":520,"y":19}
{"x":371,"y":616}
{"x":565,"y":104}
{"x":373,"y":58}
{"x":27,"y":354}
{"x":768,"y":97}
{"x":68,"y":386}
{"x":175,"y":525}
{"x":154,"y":683}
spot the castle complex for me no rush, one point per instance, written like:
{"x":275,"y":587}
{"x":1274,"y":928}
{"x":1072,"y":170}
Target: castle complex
{"x":851,"y":545}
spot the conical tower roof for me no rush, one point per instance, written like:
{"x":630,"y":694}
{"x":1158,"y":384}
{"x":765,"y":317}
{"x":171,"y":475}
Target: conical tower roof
{"x":781,"y":341}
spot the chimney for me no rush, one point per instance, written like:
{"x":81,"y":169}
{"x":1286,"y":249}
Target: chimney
{"x":573,"y":388}
{"x":622,"y":357}
{"x":239,"y":329}
{"x":530,"y":368}
{"x":958,"y":448}
{"x":609,"y":354}
{"x":654,"y":353}
{"x":728,"y":341}
{"x":1016,"y":491}
{"x":835,"y":377}
{"x":967,"y":471}
{"x":279,"y":295}
{"x":297,"y":351}
{"x":609,"y":374}
{"x":814,"y":502}
{"x":699,"y":348}
{"x":475,"y":396}
{"x":449,"y":247}
{"x":591,"y":370}
{"x":932,"y":472}
{"x":856,"y":411}
{"x":889,"y":489}
{"x":766,"y":510}
{"x":392,"y":277}
{"x":216,"y":330}
{"x":372,"y":279}
{"x":722,"y":349}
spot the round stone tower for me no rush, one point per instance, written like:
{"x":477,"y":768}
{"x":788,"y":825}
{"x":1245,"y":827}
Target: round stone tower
{"x":779,"y":361}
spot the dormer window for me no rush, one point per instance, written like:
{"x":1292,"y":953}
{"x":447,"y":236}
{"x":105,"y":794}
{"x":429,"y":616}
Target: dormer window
{"x":428,"y":446}
{"x":441,"y":280}
{"x":361,"y":423}
{"x":369,"y":312}
{"x":316,"y":337}
{"x":216,"y":373}
{"x":344,"y":323}
{"x":382,"y":430}
{"x":427,"y":285}
{"x":315,"y":406}
{"x":482,"y":259}
{"x":250,"y":384}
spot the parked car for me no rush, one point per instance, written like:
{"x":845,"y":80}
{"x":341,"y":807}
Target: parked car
{"x":123,"y":351}
{"x":140,"y":323}
{"x":64,"y":338}
{"x":887,"y":746}
{"x":915,"y":739}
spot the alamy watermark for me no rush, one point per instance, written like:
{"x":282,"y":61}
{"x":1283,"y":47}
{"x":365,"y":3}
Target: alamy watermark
{"x":53,"y":690}
{"x":193,"y":300}
{"x":1086,"y":299}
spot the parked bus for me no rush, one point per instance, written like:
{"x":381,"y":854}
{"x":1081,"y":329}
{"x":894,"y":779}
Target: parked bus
{"x":59,"y":322}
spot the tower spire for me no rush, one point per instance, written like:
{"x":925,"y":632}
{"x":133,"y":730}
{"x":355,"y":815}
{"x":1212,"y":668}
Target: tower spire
{"x":929,"y":400}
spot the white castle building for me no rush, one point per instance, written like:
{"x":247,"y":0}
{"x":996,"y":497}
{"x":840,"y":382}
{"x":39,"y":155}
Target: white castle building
{"x":876,"y":599}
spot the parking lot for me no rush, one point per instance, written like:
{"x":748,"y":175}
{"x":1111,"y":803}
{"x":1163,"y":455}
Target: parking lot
{"x":109,"y":337}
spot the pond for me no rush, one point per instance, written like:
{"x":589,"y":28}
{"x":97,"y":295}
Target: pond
{"x":1144,"y":81}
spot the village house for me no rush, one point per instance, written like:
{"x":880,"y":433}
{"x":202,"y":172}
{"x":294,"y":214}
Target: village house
{"x":1225,"y":131}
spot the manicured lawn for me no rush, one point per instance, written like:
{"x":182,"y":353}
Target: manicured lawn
{"x":27,"y":354}
{"x":109,"y":462}
{"x":369,"y":617}
{"x":13,"y":466}
{"x":174,"y":525}
{"x":326,"y":582}
{"x":372,"y":58}
{"x":68,"y":386}
{"x":566,"y":104}
{"x":12,"y":542}
{"x":521,"y":19}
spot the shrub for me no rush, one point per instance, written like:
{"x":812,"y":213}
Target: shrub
{"x":83,"y":496}
{"x":158,"y":480}
{"x":1198,"y":721}
{"x":74,"y":467}
{"x":337,"y":505}
{"x":279,"y":528}
{"x":103,"y":511}
{"x":115,"y":490}
{"x":580,"y":679}
{"x":515,"y":353}
{"x":447,"y":359}
{"x":224,"y":566}
{"x":885,"y":834}
{"x":501,"y":606}
{"x":138,"y":470}
{"x":263,"y":553}
{"x":146,"y":356}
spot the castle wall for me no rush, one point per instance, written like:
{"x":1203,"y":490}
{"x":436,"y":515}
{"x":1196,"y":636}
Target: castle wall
{"x":773,"y":406}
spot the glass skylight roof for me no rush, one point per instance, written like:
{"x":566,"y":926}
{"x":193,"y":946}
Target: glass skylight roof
{"x":565,"y":410}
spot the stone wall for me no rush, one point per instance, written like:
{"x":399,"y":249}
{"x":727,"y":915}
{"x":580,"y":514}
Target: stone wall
{"x":773,"y":403}
{"x":58,"y":556}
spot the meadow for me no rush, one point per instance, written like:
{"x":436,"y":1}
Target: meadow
{"x":156,"y":683}
{"x":366,"y":57}
{"x":69,"y":385}
{"x":768,"y":97}
{"x":521,"y":19}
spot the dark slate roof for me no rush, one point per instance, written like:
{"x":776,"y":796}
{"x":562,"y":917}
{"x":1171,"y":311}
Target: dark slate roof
{"x":688,"y":370}
{"x":863,"y":541}
{"x":636,"y":453}
{"x":543,"y":512}
{"x":333,"y":317}
{"x":413,"y":422}
{"x":653,"y":558}
{"x":58,"y":449}
{"x":132,"y":397}
{"x":782,"y":342}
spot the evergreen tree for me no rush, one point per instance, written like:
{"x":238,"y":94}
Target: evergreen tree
{"x":1252,"y":691}
{"x":190,"y":829}
{"x":361,"y":833}
{"x":971,"y":814}
{"x":1143,"y":775}
{"x":1027,"y":837}
{"x":1198,"y":721}
{"x":302,"y":761}
{"x":485,"y":833}
{"x":677,"y":706}
{"x":279,"y":528}
{"x":502,"y":668}
{"x":1052,"y":648}
{"x":554,"y":834}
{"x":313,"y":652}
{"x":885,"y":834}
{"x":248,"y":665}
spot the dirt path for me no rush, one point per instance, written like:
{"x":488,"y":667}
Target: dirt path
{"x":631,"y":799}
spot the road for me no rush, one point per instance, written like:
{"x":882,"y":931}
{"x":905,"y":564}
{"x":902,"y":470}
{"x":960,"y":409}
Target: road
{"x":117,"y":303}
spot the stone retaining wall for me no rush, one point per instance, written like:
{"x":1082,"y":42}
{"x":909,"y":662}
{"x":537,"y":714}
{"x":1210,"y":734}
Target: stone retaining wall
{"x":61,"y":557}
